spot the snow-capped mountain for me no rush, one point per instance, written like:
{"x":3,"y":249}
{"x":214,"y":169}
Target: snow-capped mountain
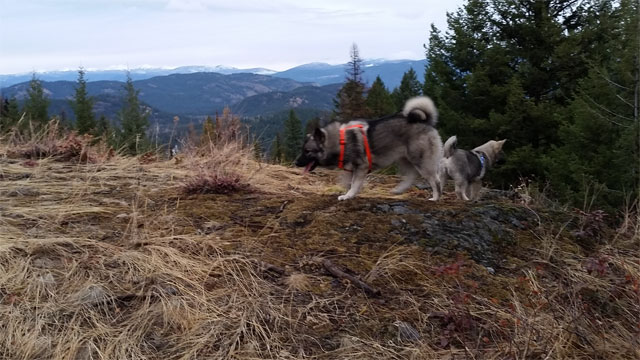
{"x":118,"y":73}
{"x":390,"y":71}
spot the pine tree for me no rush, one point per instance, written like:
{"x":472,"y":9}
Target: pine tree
{"x":409,"y":87}
{"x":311,"y":125}
{"x":105,"y":130}
{"x":134,"y":122}
{"x":82,"y":105}
{"x":13,"y":112}
{"x":4,"y":106}
{"x":379,"y":100}
{"x":9,"y":114}
{"x":292,"y":137}
{"x":506,"y":69}
{"x":37,"y":103}
{"x":350,"y":102}
{"x":600,"y":123}
{"x":257,"y":150}
{"x":277,"y":151}
{"x":208,"y":132}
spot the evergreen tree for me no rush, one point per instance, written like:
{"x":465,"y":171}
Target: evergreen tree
{"x":409,"y":87}
{"x":292,"y":137}
{"x":257,"y":150}
{"x":311,"y":125}
{"x":13,"y":112}
{"x":277,"y":150}
{"x":82,"y":105}
{"x":506,"y":69}
{"x":104,"y":129}
{"x":4,"y":107}
{"x":599,"y":126}
{"x":9,"y":114}
{"x":37,"y":103}
{"x":208,"y":131}
{"x":379,"y":100}
{"x":350,"y":101}
{"x":134,"y":121}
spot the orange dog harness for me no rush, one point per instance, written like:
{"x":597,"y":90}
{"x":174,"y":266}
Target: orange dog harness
{"x":343,"y":142}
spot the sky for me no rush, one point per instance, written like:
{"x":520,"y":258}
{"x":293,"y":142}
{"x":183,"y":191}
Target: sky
{"x":45,"y":35}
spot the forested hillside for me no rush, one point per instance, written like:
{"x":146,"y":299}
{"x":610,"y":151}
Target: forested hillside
{"x":558,"y":79}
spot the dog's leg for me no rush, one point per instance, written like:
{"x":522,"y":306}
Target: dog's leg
{"x":409,"y":174}
{"x":344,"y":180}
{"x":432,"y":177}
{"x":462,"y":189}
{"x":357,"y":179}
{"x":442,"y":175}
{"x":474,"y":190}
{"x":428,"y":169}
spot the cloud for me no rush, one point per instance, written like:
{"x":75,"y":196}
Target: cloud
{"x":186,"y":5}
{"x":275,"y":34}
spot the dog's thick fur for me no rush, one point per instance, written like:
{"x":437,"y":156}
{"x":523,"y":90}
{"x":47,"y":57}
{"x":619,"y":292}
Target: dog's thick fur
{"x":407,"y":139}
{"x":467,"y":168}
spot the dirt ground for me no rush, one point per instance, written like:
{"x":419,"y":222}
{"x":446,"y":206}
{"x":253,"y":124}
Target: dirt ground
{"x":115,"y":261}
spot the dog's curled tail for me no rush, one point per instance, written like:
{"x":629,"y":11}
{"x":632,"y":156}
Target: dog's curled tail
{"x":450,"y":146}
{"x":421,"y":109}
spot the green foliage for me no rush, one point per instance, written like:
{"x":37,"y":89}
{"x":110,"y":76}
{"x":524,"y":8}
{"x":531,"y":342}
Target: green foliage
{"x":10,"y":114}
{"x":37,"y":103}
{"x":208,"y":131}
{"x":409,"y":87}
{"x":350,"y":101}
{"x":257,"y":150}
{"x":107,"y":131}
{"x":598,"y":128}
{"x":292,"y":137}
{"x":550,"y":76}
{"x":311,"y":125}
{"x":134,"y":122}
{"x":379,"y":100}
{"x":277,"y":150}
{"x":82,"y":105}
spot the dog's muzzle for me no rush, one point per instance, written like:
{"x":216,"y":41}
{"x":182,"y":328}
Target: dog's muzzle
{"x":307,"y":162}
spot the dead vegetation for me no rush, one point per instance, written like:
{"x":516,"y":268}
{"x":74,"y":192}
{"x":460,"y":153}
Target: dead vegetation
{"x":110,"y":259}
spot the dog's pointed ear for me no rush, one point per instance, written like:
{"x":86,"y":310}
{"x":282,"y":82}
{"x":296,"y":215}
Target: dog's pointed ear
{"x":501,"y":142}
{"x":320,"y":135}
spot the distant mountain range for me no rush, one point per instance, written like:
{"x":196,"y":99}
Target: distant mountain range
{"x":263,"y":100}
{"x":390,"y":71}
{"x":180,"y":94}
{"x":121,"y":74}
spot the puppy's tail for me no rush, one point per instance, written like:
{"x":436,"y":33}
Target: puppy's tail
{"x":450,"y":146}
{"x":421,"y":109}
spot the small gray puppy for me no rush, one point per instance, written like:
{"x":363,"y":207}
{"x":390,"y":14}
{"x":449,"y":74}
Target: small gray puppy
{"x":467,"y":168}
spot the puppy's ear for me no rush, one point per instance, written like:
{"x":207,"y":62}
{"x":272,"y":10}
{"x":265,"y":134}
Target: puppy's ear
{"x":320,"y":135}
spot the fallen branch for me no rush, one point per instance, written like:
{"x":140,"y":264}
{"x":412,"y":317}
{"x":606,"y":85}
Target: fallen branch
{"x":339,"y":273}
{"x":265,"y":266}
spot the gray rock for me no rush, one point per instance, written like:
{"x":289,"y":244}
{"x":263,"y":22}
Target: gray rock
{"x":480,"y":232}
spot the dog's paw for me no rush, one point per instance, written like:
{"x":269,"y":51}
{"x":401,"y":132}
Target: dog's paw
{"x":434,"y":198}
{"x":397,"y":191}
{"x":344,"y":197}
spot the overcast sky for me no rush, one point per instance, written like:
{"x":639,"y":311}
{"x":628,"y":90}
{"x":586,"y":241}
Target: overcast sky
{"x":40,"y":35}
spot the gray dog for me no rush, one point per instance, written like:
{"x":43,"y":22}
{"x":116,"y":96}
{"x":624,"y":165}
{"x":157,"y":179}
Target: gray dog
{"x":467,"y":168}
{"x":407,"y":139}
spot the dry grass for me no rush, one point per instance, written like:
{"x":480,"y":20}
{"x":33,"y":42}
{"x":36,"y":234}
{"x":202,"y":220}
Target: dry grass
{"x":110,"y":260}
